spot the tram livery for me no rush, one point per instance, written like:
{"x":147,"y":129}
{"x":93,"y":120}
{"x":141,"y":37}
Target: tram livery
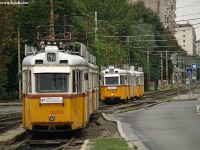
{"x":60,"y":89}
{"x":119,"y":84}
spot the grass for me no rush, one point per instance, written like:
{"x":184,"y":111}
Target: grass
{"x":170,"y":100}
{"x":126,"y":110}
{"x":109,"y":144}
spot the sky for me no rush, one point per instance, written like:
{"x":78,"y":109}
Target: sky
{"x":189,"y":11}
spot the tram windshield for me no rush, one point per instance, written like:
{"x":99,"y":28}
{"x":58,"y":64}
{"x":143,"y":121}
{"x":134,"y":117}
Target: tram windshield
{"x":111,"y":80}
{"x":52,"y":82}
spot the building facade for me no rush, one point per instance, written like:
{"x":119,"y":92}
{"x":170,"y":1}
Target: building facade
{"x":186,"y":37}
{"x":165,"y":9}
{"x":198,"y":47}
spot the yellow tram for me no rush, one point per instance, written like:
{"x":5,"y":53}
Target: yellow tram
{"x":121,"y":84}
{"x":60,"y":88}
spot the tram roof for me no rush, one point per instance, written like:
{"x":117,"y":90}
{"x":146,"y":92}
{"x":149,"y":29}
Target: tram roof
{"x":115,"y":71}
{"x":138,"y":73}
{"x":62,"y":57}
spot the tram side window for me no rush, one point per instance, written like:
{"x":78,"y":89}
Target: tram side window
{"x":25,"y":82}
{"x":77,"y":76}
{"x":52,"y":82}
{"x":128,"y":80}
{"x":79,"y":81}
{"x":137,"y":80}
{"x":122,"y":80}
{"x":90,"y":80}
{"x":30,"y":82}
{"x":134,"y":79}
{"x":74,"y":81}
{"x":94,"y":81}
{"x":131,"y":80}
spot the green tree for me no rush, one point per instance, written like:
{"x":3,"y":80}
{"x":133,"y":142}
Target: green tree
{"x":133,"y":29}
{"x":7,"y":46}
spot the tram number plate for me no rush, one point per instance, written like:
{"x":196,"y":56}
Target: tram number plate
{"x":112,"y":88}
{"x":58,"y":112}
{"x":49,"y":100}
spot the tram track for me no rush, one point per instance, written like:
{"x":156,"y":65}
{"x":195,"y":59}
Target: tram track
{"x":55,"y":144}
{"x":65,"y":146}
{"x":148,"y":100}
{"x":19,"y":144}
{"x":8,"y":121}
{"x":72,"y":143}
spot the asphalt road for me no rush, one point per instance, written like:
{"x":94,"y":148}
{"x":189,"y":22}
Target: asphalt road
{"x":168,"y":126}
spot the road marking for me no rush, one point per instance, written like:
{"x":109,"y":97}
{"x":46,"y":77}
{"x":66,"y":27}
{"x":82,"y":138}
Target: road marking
{"x":198,"y":107}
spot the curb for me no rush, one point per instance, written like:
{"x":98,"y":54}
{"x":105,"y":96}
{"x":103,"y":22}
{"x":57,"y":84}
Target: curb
{"x":85,"y":144}
{"x":119,"y":127}
{"x":137,"y":143}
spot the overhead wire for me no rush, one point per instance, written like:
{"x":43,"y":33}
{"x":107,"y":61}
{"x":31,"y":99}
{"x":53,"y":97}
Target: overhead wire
{"x":185,"y":20}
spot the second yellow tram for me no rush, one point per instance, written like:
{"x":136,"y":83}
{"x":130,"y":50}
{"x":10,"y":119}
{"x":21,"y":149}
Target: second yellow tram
{"x":121,"y":84}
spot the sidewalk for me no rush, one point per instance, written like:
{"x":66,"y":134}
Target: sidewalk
{"x":10,"y":136}
{"x":189,"y":96}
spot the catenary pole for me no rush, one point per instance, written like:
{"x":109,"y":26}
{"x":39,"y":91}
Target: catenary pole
{"x":19,"y":64}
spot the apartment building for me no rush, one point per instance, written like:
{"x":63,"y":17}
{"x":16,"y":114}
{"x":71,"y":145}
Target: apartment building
{"x":165,"y":9}
{"x":198,"y":47}
{"x":186,"y":37}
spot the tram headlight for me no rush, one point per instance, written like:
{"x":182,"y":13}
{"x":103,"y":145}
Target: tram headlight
{"x":51,"y":117}
{"x":112,"y":94}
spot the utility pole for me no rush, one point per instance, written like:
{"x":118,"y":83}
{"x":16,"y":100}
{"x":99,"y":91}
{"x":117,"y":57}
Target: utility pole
{"x":52,"y":36}
{"x":19,"y":64}
{"x":119,"y":51}
{"x":161,"y":66}
{"x":148,"y":67}
{"x":107,"y":54}
{"x":129,"y":52}
{"x":178,"y":76}
{"x":166,"y":68}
